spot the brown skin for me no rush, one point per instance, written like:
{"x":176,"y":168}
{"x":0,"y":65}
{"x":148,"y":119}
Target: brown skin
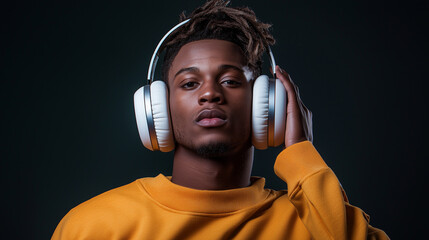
{"x":299,"y":123}
{"x":208,"y":75}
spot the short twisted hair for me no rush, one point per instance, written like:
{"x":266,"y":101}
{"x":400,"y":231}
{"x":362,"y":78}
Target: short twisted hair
{"x":216,"y":20}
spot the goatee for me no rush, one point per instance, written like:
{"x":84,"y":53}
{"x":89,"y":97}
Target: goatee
{"x":213,"y":150}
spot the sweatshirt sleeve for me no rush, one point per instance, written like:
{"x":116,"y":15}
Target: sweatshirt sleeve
{"x":318,"y":197}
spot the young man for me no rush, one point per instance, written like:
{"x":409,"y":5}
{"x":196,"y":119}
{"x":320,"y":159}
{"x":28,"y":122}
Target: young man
{"x":210,"y":65}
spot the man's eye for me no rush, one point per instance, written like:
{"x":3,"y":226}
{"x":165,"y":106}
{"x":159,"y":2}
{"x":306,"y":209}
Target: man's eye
{"x":189,"y":85}
{"x":231,"y":83}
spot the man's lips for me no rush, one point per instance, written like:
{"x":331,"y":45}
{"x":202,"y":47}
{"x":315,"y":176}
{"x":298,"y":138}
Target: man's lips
{"x":211,"y":118}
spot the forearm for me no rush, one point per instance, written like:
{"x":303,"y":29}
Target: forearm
{"x":318,"y":196}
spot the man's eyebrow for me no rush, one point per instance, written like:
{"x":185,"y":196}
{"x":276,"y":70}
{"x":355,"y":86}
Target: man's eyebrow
{"x":188,"y":69}
{"x":227,"y":67}
{"x":197,"y":70}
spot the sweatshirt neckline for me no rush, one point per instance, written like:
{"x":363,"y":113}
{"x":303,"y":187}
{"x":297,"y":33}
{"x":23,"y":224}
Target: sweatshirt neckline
{"x":180,"y":198}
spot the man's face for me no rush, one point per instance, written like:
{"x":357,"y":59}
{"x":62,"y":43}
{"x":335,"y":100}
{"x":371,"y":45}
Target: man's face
{"x":210,"y":98}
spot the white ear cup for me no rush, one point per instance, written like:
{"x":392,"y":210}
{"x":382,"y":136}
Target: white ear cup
{"x":160,"y":135}
{"x":262,"y":100}
{"x":260,"y":112}
{"x":280,"y":110}
{"x":140,"y":111}
{"x":161,"y":116}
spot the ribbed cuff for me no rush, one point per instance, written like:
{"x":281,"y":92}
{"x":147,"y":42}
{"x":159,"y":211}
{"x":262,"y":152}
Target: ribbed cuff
{"x":296,"y":162}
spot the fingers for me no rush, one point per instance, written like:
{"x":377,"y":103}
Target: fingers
{"x":288,"y":81}
{"x":309,"y":123}
{"x":299,"y":116}
{"x":291,"y":89}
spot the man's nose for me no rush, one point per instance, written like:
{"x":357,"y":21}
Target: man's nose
{"x":211,"y":92}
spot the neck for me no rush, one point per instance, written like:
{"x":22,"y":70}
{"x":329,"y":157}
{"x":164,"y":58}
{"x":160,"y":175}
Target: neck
{"x":226,"y":172}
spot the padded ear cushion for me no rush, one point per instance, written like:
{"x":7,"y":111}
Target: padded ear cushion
{"x":139,"y":109}
{"x":280,"y":110}
{"x":161,"y":116}
{"x":260,"y":112}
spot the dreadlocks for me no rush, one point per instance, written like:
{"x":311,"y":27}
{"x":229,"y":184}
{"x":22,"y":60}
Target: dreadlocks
{"x":216,"y":20}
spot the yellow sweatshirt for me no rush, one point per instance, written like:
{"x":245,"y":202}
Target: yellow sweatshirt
{"x":315,"y":207}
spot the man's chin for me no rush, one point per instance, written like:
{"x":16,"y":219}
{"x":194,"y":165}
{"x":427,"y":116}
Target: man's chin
{"x":213,"y":150}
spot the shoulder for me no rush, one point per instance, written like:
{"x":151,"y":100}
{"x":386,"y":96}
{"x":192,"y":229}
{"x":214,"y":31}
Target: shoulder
{"x":107,"y":211}
{"x":110,"y":200}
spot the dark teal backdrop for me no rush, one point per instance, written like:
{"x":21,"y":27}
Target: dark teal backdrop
{"x":69,"y":72}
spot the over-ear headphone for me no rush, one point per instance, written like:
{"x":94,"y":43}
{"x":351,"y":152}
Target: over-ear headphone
{"x":153,"y":112}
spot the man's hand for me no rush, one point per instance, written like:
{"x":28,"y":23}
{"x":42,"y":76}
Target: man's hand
{"x":299,"y":124}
